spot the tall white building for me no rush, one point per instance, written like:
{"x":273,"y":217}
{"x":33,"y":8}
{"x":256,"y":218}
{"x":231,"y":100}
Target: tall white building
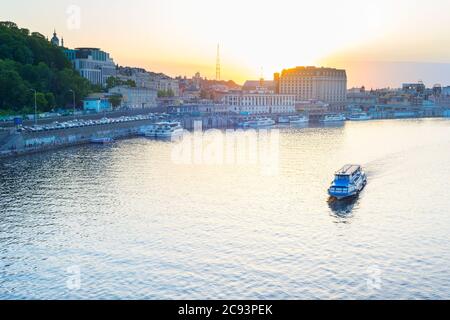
{"x":311,"y":83}
{"x":93,"y":64}
{"x":260,"y":103}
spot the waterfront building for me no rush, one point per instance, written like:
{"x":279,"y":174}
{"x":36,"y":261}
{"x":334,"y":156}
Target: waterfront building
{"x":414,"y":88}
{"x":199,"y":109}
{"x":93,"y":64}
{"x":312,"y":107}
{"x":97,"y":103}
{"x":437,"y":90}
{"x":135,"y":97}
{"x":305,"y":83}
{"x":446,"y":91}
{"x":361,"y":97}
{"x":259,"y":103}
{"x":443,"y":101}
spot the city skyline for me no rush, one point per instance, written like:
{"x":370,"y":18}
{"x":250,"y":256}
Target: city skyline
{"x":229,"y":154}
{"x":379,"y":46}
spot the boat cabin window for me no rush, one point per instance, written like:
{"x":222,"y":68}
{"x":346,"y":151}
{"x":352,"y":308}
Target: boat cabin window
{"x":342,"y":177}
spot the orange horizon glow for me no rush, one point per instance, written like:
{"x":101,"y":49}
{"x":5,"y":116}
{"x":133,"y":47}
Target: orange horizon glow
{"x":180,"y":37}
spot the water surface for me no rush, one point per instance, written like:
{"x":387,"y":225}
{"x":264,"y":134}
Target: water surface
{"x":139,"y":226}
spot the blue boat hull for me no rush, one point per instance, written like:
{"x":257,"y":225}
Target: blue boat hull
{"x":342,"y":196}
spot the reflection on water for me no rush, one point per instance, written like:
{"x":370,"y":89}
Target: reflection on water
{"x":130,"y":223}
{"x":342,"y":209}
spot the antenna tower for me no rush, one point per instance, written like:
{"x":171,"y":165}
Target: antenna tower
{"x":218,"y":63}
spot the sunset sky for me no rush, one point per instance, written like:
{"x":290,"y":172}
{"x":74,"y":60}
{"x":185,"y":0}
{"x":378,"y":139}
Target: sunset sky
{"x":380,"y":43}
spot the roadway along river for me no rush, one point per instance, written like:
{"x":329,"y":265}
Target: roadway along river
{"x":127,"y":221}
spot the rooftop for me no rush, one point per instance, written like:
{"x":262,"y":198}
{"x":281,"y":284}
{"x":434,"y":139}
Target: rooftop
{"x":349,"y":170}
{"x":88,"y":48}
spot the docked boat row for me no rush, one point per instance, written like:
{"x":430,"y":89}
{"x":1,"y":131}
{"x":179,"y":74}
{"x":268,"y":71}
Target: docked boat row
{"x":361,"y":116}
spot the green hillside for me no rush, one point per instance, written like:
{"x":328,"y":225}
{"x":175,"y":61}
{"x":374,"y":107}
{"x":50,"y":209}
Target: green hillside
{"x":29,"y":61}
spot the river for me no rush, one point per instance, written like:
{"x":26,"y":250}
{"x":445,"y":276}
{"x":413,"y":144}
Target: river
{"x":126,"y":221}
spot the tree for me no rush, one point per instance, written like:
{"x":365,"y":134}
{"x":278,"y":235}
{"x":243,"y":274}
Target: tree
{"x":41,"y":101}
{"x":115,"y":101}
{"x":51,"y":102}
{"x":112,"y":82}
{"x":8,"y":24}
{"x":29,"y":61}
{"x":38,"y":35}
{"x":13,"y":90}
{"x":166,"y":93}
{"x":131,"y":83}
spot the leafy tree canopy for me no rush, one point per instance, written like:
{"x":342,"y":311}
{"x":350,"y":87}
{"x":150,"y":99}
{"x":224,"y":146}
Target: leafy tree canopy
{"x":29,"y":61}
{"x":112,"y":82}
{"x":166,"y":93}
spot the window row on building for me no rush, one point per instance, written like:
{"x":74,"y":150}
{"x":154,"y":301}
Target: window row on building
{"x":325,"y":84}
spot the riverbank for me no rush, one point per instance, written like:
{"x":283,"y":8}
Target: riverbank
{"x":13,"y":143}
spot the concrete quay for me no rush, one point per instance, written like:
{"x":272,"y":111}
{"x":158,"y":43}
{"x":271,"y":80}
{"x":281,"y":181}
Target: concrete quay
{"x":13,"y":143}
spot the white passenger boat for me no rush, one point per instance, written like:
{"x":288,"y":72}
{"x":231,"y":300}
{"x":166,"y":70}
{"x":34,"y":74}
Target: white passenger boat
{"x":284,"y":120}
{"x":165,"y":130}
{"x":359,"y":117}
{"x":348,"y":182}
{"x":258,"y":123}
{"x":299,"y":119}
{"x":333,"y":118}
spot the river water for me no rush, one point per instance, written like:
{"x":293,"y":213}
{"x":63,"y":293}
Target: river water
{"x":126,"y":221}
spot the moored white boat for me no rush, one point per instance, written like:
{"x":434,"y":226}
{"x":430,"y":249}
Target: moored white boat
{"x":359,"y":117}
{"x":284,"y":120}
{"x":332,"y":118}
{"x":165,"y":130}
{"x":299,"y":119}
{"x":258,"y":123}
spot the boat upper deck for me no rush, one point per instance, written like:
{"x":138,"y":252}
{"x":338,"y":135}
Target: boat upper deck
{"x":349,"y":170}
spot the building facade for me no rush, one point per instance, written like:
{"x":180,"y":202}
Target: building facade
{"x":149,"y":80}
{"x":135,"y":97}
{"x":256,"y":103}
{"x":198,"y":109}
{"x":311,"y":83}
{"x":96,"y":105}
{"x":414,"y":88}
{"x":93,"y":64}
